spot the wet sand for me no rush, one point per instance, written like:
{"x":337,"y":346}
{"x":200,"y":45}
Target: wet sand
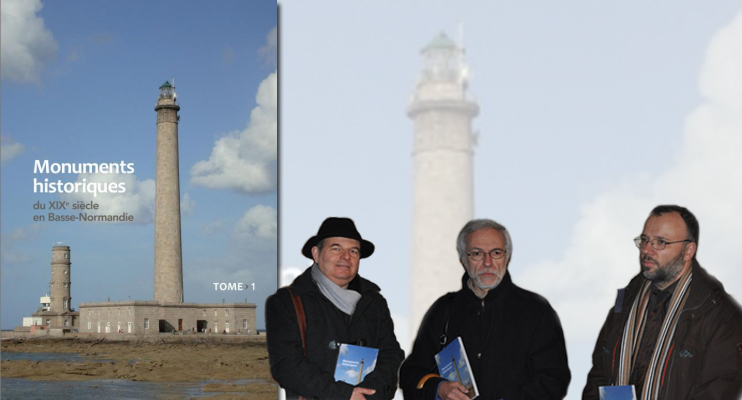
{"x":192,"y":359}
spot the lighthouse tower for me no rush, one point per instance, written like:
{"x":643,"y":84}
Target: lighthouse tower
{"x":60,"y":284}
{"x":442,"y":172}
{"x":168,"y":256}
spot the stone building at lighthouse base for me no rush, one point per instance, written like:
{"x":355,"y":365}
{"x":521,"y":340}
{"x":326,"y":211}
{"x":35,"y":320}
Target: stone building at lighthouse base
{"x":151,"y":317}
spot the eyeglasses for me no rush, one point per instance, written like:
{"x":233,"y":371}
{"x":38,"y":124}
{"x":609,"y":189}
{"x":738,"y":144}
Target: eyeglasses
{"x":657,"y":244}
{"x":478,"y":255}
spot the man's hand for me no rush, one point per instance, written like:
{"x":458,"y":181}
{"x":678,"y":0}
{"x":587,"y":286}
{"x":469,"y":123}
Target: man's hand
{"x":452,"y":391}
{"x":359,"y":392}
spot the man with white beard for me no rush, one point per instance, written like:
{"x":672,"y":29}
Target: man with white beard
{"x":513,"y":339}
{"x":674,"y":333}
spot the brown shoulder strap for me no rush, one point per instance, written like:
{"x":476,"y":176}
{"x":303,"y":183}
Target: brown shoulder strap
{"x":301,"y":318}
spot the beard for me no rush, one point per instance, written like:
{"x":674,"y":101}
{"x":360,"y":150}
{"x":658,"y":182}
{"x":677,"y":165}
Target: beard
{"x":478,"y":281}
{"x":664,"y":273}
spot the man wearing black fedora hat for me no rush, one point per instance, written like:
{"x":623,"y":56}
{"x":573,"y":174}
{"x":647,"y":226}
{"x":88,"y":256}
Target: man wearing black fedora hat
{"x":326,"y":306}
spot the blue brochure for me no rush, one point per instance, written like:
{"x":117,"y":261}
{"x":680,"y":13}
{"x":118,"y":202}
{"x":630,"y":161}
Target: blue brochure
{"x":625,"y":392}
{"x":453,"y":365}
{"x":354,"y":363}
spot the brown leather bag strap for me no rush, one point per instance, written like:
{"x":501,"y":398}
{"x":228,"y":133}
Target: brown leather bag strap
{"x":301,"y":318}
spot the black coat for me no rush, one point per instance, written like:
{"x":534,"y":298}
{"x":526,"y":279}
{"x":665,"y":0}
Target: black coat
{"x":705,"y":360}
{"x":513,"y":340}
{"x":312,"y":376}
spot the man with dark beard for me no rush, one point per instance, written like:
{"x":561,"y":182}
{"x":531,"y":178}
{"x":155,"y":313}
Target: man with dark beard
{"x":674,"y":333}
{"x":513,"y":338}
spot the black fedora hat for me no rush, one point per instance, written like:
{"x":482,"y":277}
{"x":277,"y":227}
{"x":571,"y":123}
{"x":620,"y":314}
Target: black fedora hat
{"x":338,"y":227}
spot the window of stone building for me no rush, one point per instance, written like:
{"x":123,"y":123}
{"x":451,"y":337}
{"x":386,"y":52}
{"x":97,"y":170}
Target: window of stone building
{"x":204,"y":313}
{"x":119,"y":311}
{"x":90,"y":325}
{"x":65,"y":286}
{"x":64,"y":303}
{"x":66,"y":322}
{"x":131,"y":311}
{"x":48,"y":322}
{"x":216,"y":313}
{"x":226,"y":327}
{"x":90,"y":312}
{"x":65,"y":272}
{"x":216,"y":327}
{"x":66,"y":256}
{"x":146,"y":323}
{"x":226,"y":313}
{"x":244,"y":324}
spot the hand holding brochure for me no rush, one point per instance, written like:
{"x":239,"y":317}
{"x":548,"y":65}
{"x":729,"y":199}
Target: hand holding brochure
{"x":354,"y":363}
{"x":453,"y":365}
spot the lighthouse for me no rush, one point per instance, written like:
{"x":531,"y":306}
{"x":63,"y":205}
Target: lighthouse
{"x":168,"y":255}
{"x":442,"y":172}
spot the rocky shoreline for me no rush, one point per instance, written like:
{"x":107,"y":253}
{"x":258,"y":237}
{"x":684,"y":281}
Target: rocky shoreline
{"x":173,"y":360}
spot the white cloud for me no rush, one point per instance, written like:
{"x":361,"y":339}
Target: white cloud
{"x":706,"y":177}
{"x":371,"y":368}
{"x":11,"y":255}
{"x":26,"y":43}
{"x":187,"y":205}
{"x":246,"y":161}
{"x":214,"y":227}
{"x":288,"y":274}
{"x":9,"y":149}
{"x":259,"y":222}
{"x":269,"y":52}
{"x":138,"y":200}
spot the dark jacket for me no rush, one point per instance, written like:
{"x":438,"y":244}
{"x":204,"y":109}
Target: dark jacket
{"x":513,"y":340}
{"x":705,"y":360}
{"x":312,"y":376}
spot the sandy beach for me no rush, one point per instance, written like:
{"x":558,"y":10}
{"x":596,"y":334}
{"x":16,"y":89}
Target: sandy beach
{"x":165,"y":359}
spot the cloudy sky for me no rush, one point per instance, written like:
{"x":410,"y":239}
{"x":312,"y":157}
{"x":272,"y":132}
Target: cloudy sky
{"x":591,"y":114}
{"x":79,"y":84}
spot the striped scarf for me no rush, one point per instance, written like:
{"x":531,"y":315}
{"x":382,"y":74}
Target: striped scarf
{"x":634,"y":329}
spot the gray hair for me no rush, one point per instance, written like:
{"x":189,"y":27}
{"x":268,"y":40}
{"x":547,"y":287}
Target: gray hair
{"x":320,"y":245}
{"x":475,"y":225}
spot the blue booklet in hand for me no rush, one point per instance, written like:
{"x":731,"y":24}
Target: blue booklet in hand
{"x":625,"y":392}
{"x":354,"y":363}
{"x":453,"y":365}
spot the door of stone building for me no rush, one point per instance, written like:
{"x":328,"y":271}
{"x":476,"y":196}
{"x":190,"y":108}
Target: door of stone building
{"x":129,"y":330}
{"x":118,"y":328}
{"x":98,"y":326}
{"x":180,"y":325}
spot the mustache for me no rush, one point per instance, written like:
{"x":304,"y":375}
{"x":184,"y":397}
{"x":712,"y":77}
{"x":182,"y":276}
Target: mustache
{"x":645,"y":257}
{"x":489,"y":271}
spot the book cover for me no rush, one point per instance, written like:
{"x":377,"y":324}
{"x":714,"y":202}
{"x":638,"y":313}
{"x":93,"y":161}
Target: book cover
{"x":139,"y":159}
{"x":355,"y":363}
{"x":453,"y":365}
{"x":625,"y":392}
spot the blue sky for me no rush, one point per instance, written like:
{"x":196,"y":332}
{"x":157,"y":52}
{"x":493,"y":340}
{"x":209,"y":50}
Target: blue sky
{"x":79,"y":84}
{"x":590,"y":115}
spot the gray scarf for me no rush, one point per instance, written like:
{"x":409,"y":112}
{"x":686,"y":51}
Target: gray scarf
{"x":344,"y":299}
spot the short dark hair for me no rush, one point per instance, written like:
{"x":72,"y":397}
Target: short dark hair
{"x":691,"y":223}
